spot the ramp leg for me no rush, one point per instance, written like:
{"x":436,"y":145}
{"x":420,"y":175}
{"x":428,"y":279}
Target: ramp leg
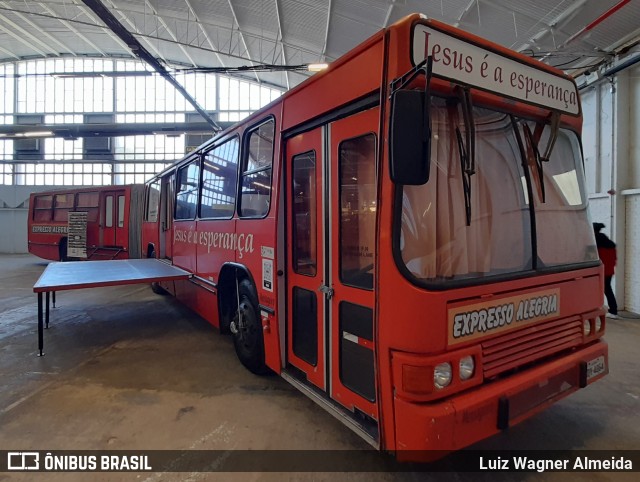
{"x":46,"y":319}
{"x":40,"y":333}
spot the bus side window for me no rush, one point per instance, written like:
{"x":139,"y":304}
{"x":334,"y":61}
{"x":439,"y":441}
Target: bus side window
{"x":42,"y":208}
{"x":187,"y":193}
{"x":153,"y":198}
{"x":88,"y":202}
{"x":255,"y":194}
{"x":108,"y":211}
{"x":219,"y":181}
{"x":121,"y":211}
{"x":62,"y":204}
{"x":357,"y":173}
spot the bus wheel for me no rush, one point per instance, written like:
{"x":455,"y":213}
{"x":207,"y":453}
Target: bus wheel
{"x":157,"y":289}
{"x":62,"y":250}
{"x":246,"y":329}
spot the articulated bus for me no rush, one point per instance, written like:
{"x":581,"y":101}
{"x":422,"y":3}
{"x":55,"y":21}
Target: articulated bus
{"x":109,"y":228}
{"x":404,"y":237}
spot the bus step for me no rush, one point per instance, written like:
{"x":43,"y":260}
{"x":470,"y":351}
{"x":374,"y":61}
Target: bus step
{"x":365,"y":426}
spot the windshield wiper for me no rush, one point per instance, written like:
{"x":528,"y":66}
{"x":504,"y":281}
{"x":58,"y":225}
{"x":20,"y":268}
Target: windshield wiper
{"x":534,"y":138}
{"x":467,"y":148}
{"x":537,"y":158}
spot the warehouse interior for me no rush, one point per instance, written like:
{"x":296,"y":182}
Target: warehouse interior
{"x":53,"y":52}
{"x":111,"y":92}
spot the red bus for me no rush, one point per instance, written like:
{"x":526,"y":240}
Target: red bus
{"x":404,"y":237}
{"x":110,"y":229}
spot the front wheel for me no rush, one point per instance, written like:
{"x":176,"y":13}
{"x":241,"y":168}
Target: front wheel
{"x":246,"y":330}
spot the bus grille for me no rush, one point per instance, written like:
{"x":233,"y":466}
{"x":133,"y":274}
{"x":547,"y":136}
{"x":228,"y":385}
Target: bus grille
{"x":520,"y":347}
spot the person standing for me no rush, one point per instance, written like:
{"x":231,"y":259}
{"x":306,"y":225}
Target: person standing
{"x":608,"y":256}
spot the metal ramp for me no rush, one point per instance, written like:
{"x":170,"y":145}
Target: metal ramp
{"x":95,"y":274}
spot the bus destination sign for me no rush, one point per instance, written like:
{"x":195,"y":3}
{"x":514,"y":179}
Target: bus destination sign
{"x":464,"y":62}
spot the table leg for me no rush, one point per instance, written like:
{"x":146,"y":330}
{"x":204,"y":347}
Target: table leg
{"x":40,"y":333}
{"x":46,"y":319}
{"x":54,"y":299}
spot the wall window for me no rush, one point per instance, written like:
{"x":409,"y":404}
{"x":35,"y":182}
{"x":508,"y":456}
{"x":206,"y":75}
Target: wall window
{"x":77,"y":90}
{"x":219,"y":180}
{"x":63,"y":174}
{"x":255,"y":194}
{"x":187,"y":195}
{"x":6,"y":172}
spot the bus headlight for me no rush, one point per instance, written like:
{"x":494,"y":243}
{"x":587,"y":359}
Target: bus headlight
{"x":586,"y":327}
{"x":442,"y":375}
{"x":467,"y":366}
{"x":598,"y":326}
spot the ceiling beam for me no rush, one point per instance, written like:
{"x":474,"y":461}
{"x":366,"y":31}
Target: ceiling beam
{"x":244,"y":42}
{"x":466,"y":10}
{"x":326,"y":31}
{"x":553,"y":24}
{"x":131,"y":24}
{"x":74,"y":131}
{"x":28,"y":35}
{"x":214,"y":49}
{"x":284,"y":54}
{"x":89,"y":14}
{"x":388,"y":16}
{"x":40,"y":30}
{"x":138,"y":49}
{"x":173,"y":36}
{"x":8,"y":52}
{"x":73,"y":29}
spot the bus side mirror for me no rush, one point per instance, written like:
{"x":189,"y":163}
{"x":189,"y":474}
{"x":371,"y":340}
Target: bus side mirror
{"x":409,"y":138}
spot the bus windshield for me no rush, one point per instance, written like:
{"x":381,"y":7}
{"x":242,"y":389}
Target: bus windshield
{"x":439,"y":243}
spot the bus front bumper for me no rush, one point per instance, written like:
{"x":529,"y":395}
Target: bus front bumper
{"x":471,"y":416}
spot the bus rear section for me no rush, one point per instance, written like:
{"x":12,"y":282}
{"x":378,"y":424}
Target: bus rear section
{"x":90,"y":223}
{"x":490,"y":305}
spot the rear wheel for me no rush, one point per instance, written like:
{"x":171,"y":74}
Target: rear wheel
{"x":157,"y":289}
{"x":62,"y":250}
{"x":246,"y":329}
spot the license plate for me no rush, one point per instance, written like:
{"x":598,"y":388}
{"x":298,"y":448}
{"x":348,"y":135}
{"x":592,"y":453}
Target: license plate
{"x":595,"y":367}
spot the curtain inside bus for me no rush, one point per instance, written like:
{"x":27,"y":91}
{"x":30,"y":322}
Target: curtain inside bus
{"x":437,"y":245}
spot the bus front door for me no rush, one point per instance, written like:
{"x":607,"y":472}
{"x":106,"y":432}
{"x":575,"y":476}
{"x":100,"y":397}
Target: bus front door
{"x":331,"y":216}
{"x":113,"y":232}
{"x":166,"y":217}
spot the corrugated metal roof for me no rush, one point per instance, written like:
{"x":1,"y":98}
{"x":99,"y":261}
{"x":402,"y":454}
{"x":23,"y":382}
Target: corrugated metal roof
{"x":218,"y":33}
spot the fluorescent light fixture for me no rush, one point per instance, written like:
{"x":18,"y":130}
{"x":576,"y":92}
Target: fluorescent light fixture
{"x":317,"y":67}
{"x":36,"y":134}
{"x":106,"y":73}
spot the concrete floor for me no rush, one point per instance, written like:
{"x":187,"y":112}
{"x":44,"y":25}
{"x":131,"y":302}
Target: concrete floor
{"x":127,"y":369}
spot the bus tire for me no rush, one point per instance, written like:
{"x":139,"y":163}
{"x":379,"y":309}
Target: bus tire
{"x":157,"y":289}
{"x":62,"y":250}
{"x":246,"y":329}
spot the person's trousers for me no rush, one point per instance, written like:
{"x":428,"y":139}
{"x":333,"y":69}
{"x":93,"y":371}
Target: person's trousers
{"x":611,"y":298}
